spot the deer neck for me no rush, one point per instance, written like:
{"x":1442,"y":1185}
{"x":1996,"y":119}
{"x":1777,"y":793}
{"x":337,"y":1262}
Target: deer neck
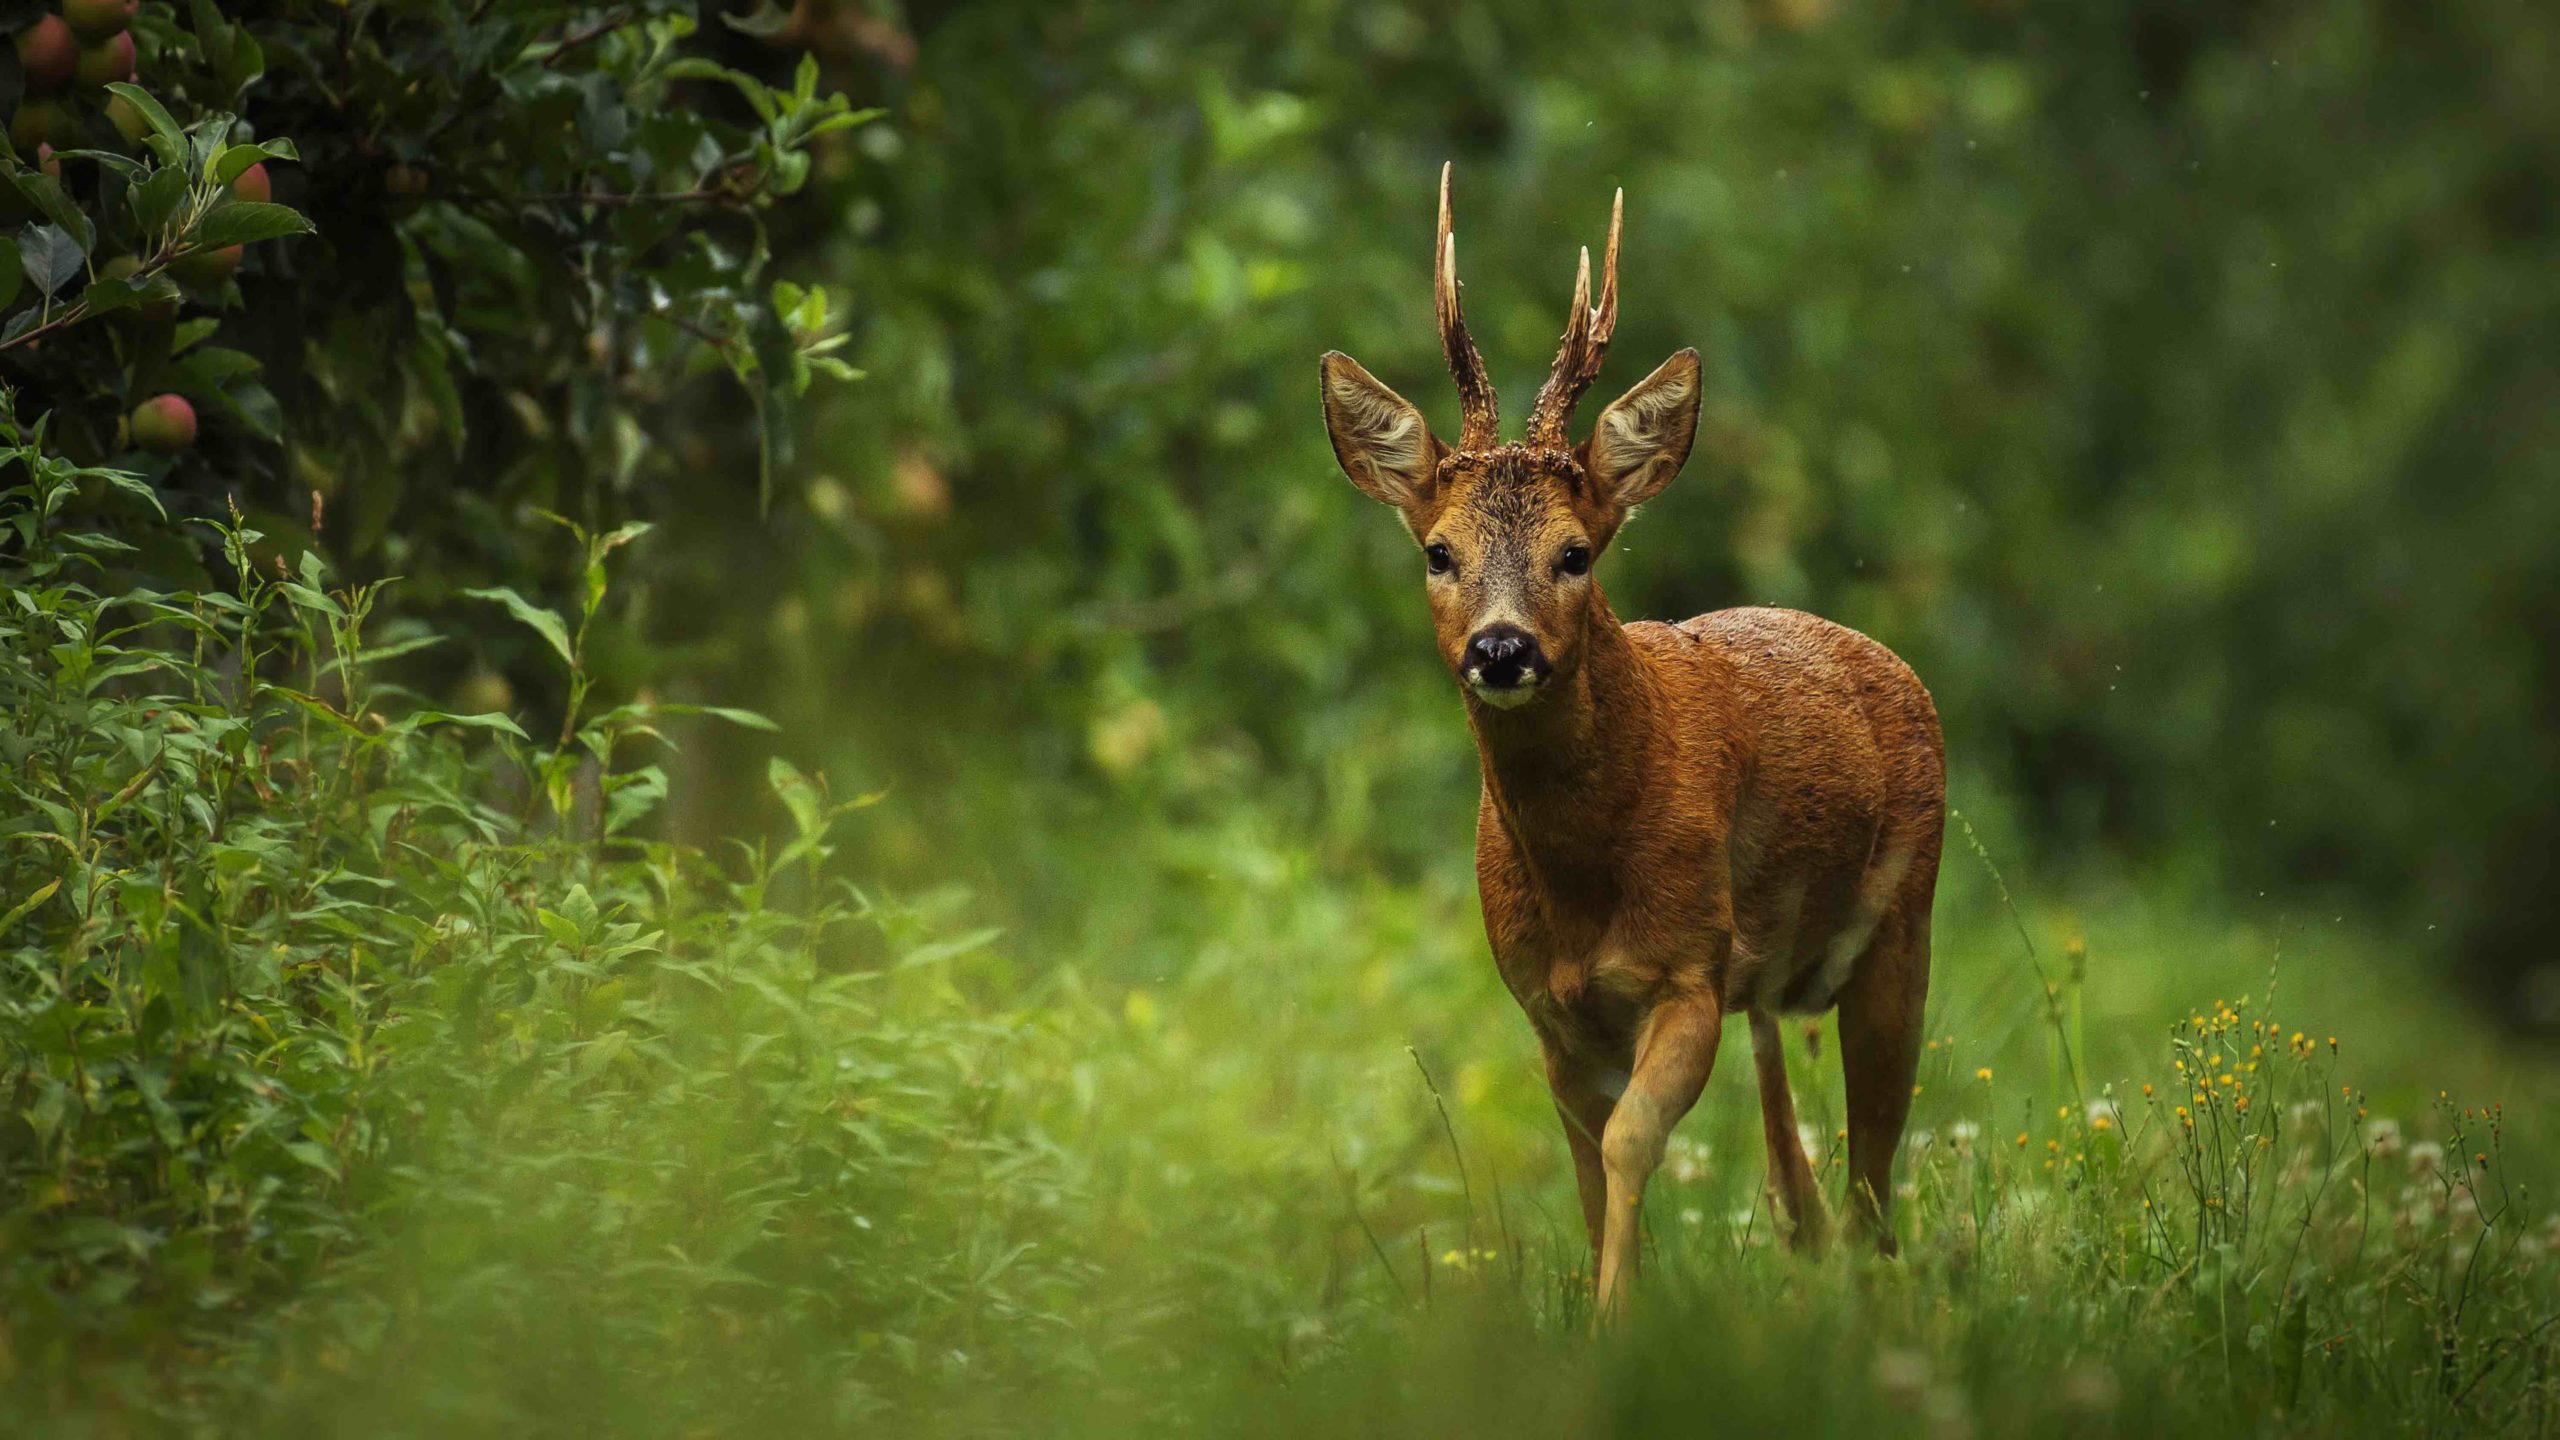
{"x":1568,"y":772}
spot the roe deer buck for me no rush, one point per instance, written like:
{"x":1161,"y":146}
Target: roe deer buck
{"x":1739,"y":812}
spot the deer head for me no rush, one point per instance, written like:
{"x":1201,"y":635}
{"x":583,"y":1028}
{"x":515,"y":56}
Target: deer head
{"x":1509,"y":532}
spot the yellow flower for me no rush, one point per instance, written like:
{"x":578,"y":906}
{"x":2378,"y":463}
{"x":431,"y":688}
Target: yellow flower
{"x":1982,"y":1074}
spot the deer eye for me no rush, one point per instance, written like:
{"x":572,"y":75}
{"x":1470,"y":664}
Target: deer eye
{"x":1576,"y":560}
{"x":1436,"y":555}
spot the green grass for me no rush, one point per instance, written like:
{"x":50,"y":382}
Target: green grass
{"x":360,"y":1079}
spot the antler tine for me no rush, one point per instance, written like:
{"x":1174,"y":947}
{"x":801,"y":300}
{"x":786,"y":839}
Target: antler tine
{"x":1587,"y":330}
{"x":1478,"y":411}
{"x":1604,"y":322}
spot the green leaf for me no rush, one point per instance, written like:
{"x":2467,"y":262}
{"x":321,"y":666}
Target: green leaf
{"x":135,"y":486}
{"x":245,"y":222}
{"x":235,"y":161}
{"x":49,"y":257}
{"x":47,"y":195}
{"x":306,"y":598}
{"x":23,"y":908}
{"x":745,"y":719}
{"x":109,"y":295}
{"x":11,"y":277}
{"x":950,"y":949}
{"x":764,"y":22}
{"x":798,"y":794}
{"x":543,"y":622}
{"x":491,"y":721}
{"x":168,"y":141}
{"x":213,"y":34}
{"x":155,"y":201}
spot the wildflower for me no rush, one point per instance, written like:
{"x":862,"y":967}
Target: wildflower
{"x":2382,"y":1138}
{"x":2022,"y":1139}
{"x":1902,"y":1377}
{"x":2146,"y":1090}
{"x":2426,"y":1158}
{"x":1983,"y":1074}
{"x":1963,"y":1133}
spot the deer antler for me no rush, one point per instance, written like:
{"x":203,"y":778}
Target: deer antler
{"x":1478,"y":425}
{"x":1586,"y":341}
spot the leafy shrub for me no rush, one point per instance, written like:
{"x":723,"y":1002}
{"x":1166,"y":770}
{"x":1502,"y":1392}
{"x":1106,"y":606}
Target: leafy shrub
{"x":527,"y":227}
{"x":306,"y":981}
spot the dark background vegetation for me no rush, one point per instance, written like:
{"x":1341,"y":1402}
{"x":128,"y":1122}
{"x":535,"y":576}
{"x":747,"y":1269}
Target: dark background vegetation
{"x":2171,"y":383}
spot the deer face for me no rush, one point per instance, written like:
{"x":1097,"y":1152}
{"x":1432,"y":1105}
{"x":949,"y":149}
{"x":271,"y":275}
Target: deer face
{"x":1509,"y":533}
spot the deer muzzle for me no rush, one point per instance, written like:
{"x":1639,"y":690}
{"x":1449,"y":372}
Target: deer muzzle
{"x":1504,"y":665}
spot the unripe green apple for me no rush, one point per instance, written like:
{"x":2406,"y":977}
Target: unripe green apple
{"x":49,"y":52}
{"x":125,"y":267}
{"x":484,"y":692}
{"x":252,"y":184}
{"x":38,"y":121}
{"x":166,"y":423}
{"x":128,"y":118}
{"x":206,"y":269}
{"x":95,"y":20}
{"x":104,"y":63}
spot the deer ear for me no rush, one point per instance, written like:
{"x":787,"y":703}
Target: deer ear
{"x":1643,"y":438}
{"x":1381,"y":440}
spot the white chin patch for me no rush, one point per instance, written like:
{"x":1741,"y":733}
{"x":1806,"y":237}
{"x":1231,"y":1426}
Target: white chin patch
{"x":1510,"y":699}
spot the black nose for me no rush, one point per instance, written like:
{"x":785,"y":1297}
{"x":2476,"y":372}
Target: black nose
{"x":1504,"y":657}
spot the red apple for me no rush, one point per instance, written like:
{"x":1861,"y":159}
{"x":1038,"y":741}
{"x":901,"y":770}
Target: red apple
{"x":166,"y":423}
{"x":49,"y":52}
{"x":252,"y":184}
{"x":98,"y":19}
{"x":104,"y":63}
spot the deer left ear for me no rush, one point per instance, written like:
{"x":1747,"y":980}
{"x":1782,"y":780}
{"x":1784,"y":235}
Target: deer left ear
{"x":1643,"y":438}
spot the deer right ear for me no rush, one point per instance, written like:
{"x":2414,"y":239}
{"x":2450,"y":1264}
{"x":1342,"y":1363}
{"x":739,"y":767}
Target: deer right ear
{"x":1643,"y":438}
{"x":1380,"y":438}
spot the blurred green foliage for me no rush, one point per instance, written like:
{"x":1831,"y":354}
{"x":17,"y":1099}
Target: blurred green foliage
{"x":2171,"y":383}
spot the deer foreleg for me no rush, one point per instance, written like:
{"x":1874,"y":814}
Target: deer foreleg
{"x":1675,"y":1051}
{"x":1583,"y":1105}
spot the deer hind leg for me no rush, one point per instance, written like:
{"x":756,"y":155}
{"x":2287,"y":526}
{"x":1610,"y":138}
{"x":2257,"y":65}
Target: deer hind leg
{"x":1790,"y":1174}
{"x":1880,"y":1037}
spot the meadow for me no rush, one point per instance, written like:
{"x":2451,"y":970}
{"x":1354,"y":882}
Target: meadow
{"x":477,"y":1114}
